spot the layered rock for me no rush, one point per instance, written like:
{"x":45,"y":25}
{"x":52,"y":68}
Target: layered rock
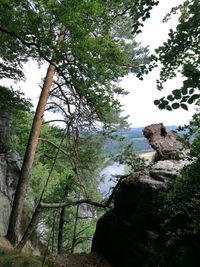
{"x":130,"y":234}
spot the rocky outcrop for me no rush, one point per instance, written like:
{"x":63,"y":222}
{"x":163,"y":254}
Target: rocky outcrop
{"x":9,"y":172}
{"x":165,"y":143}
{"x":130,"y":234}
{"x":4,"y":131}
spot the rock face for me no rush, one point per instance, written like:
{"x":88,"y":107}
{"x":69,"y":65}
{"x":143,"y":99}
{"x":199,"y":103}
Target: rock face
{"x":9,"y":172}
{"x":130,"y":234}
{"x":4,"y":131}
{"x":165,"y":143}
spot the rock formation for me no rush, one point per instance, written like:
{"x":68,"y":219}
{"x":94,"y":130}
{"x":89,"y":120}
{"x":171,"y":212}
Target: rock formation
{"x":165,"y":143}
{"x":10,"y":166}
{"x":130,"y":233}
{"x":9,"y":172}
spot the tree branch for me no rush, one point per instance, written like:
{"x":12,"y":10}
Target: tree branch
{"x":69,"y":203}
{"x":53,"y":144}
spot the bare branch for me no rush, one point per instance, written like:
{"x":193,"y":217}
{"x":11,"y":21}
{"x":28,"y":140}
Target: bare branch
{"x":53,"y":144}
{"x":45,"y":122}
{"x":69,"y":203}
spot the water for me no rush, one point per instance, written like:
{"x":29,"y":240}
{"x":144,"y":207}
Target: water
{"x":110,"y":181}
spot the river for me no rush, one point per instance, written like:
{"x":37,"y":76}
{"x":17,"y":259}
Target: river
{"x":109,"y":172}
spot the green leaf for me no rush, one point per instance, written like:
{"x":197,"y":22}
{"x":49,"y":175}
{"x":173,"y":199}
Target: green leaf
{"x":175,"y":105}
{"x":184,"y":90}
{"x":178,"y":96}
{"x":169,"y":108}
{"x":161,"y":106}
{"x":184,"y":106}
{"x":156,"y":102}
{"x":191,"y":91}
{"x":190,"y":100}
{"x":176,"y":92}
{"x":170,"y":98}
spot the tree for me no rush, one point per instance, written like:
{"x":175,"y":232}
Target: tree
{"x":180,"y":54}
{"x":74,"y":39}
{"x":180,"y":205}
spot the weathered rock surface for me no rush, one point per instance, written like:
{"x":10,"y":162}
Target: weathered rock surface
{"x":9,"y":173}
{"x":4,"y":131}
{"x":166,"y":170}
{"x":165,"y":143}
{"x":130,"y":234}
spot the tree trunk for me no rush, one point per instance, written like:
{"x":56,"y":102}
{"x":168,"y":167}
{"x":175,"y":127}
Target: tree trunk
{"x":18,"y":202}
{"x":62,"y":220}
{"x":60,"y":230}
{"x":75,"y":228}
{"x":32,"y":226}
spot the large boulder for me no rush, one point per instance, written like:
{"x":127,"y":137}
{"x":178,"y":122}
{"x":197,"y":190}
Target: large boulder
{"x":127,"y":234}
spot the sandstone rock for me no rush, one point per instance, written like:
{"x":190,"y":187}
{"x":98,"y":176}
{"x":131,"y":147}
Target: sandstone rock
{"x":166,"y":170}
{"x":130,"y":234}
{"x":124,"y":234}
{"x":165,"y":143}
{"x":5,"y":209}
{"x":9,"y":173}
{"x":4,"y":131}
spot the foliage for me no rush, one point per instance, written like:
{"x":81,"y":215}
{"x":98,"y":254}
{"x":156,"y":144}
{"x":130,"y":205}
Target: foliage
{"x":88,"y":60}
{"x":12,"y":101}
{"x":181,"y":205}
{"x":87,"y":159}
{"x":14,"y":258}
{"x":128,"y":157}
{"x":180,"y":54}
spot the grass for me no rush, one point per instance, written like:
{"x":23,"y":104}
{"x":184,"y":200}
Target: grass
{"x":16,"y":259}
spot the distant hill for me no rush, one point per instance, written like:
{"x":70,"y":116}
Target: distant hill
{"x":134,"y":135}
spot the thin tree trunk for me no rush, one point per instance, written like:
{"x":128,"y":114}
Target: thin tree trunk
{"x":75,"y":227}
{"x":61,"y":230}
{"x":33,"y":223}
{"x":62,"y":220}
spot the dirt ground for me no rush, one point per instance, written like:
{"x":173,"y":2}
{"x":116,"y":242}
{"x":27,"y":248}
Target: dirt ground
{"x":80,"y":260}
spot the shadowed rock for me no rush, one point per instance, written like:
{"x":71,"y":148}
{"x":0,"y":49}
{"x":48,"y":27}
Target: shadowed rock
{"x":131,"y":234}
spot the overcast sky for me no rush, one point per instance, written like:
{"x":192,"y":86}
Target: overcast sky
{"x":139,"y":103}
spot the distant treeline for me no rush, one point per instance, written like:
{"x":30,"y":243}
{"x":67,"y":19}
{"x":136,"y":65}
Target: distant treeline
{"x":127,"y":136}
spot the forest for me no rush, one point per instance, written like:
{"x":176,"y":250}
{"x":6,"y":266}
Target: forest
{"x":54,"y":167}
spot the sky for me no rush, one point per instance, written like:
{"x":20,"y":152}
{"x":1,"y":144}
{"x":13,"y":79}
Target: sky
{"x":138,"y":104}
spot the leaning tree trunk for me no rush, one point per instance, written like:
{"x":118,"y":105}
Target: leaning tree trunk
{"x":18,"y":203}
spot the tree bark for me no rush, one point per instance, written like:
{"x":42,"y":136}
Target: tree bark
{"x":62,"y":219}
{"x":75,"y":228}
{"x":32,"y":226}
{"x":18,"y":202}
